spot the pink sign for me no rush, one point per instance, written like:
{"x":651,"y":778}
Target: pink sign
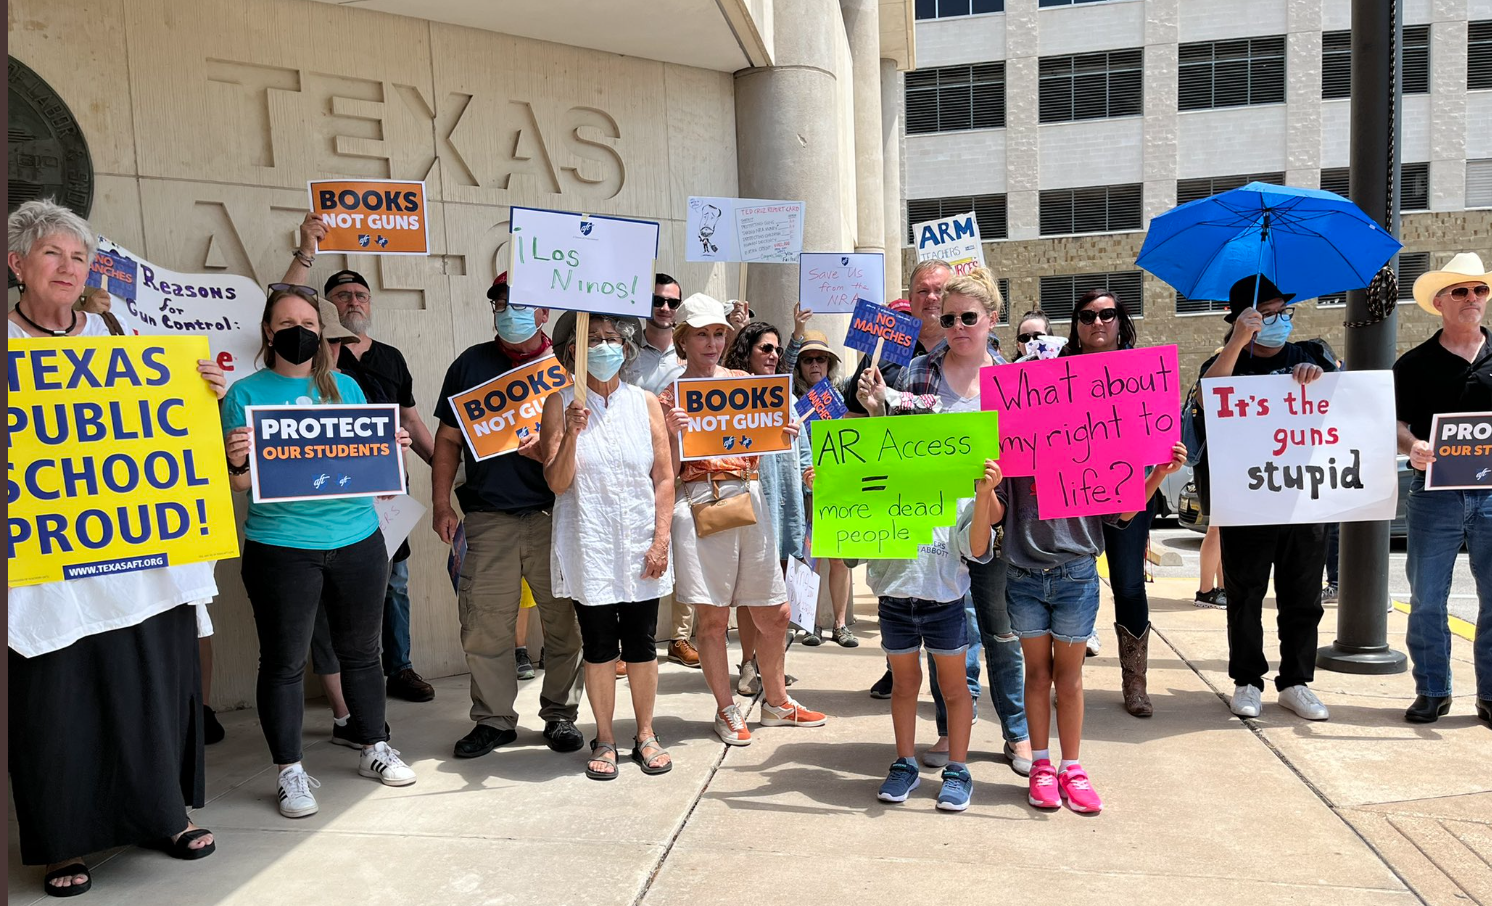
{"x":1086,"y":425}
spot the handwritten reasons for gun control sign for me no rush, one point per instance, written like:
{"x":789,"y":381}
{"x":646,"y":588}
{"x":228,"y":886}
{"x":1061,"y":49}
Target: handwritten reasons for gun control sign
{"x":1280,"y":453}
{"x":734,"y":416}
{"x":498,"y":415}
{"x":325,"y":452}
{"x":116,"y":459}
{"x":372,"y":216}
{"x":1086,"y":426}
{"x":831,"y":282}
{"x":1462,"y":444}
{"x":952,"y":239}
{"x":896,"y":330}
{"x":743,"y":229}
{"x":882,"y":485}
{"x":582,"y":262}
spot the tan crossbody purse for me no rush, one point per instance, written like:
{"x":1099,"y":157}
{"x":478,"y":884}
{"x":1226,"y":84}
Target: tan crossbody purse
{"x":721,"y":513}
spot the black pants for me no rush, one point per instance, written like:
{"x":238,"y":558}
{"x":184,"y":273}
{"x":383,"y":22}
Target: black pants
{"x":628,"y":629}
{"x":1126,"y":555}
{"x":1297,"y":553}
{"x":285,"y":584}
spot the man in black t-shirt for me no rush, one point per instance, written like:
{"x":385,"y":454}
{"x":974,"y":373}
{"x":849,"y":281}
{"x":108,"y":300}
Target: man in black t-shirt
{"x":507,"y":505}
{"x":1258,"y":344}
{"x":1450,"y":372}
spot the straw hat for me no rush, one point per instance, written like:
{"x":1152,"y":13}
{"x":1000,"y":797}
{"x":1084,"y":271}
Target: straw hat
{"x":816,"y":341}
{"x":331,"y":323}
{"x":1464,"y":268}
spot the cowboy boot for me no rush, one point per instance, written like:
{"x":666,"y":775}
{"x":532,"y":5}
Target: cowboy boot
{"x":1134,"y":658}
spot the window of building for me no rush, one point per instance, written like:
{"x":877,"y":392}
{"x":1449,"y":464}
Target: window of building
{"x":943,"y":9}
{"x":1202,"y":187}
{"x":953,"y":98}
{"x":1336,"y":62}
{"x":990,"y":213}
{"x":1046,"y":3}
{"x":1232,"y":73}
{"x":1185,"y":306}
{"x":1414,"y":190}
{"x":1479,"y":54}
{"x":1004,"y":319}
{"x":1479,"y":183}
{"x":1092,"y":85}
{"x":1060,"y":293}
{"x":1411,"y":265}
{"x":1096,"y":209}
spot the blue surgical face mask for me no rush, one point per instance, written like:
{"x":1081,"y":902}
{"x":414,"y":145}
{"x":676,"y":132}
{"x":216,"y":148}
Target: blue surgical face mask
{"x":515,"y":324}
{"x":605,"y":360}
{"x":1274,"y":334}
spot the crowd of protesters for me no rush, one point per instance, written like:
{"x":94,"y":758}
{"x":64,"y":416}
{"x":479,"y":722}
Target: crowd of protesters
{"x":599,"y":522}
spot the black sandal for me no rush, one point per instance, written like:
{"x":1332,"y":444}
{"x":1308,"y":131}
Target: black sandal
{"x":68,"y":871}
{"x":601,"y":775}
{"x":650,"y":765}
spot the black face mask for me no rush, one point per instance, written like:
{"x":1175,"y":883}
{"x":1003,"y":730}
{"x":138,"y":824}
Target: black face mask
{"x":295,"y":344}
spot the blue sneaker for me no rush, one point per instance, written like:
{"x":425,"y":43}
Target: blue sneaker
{"x":958,"y":787}
{"x":901,"y":781}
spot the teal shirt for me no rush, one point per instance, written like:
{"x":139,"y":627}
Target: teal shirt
{"x":316,"y":525}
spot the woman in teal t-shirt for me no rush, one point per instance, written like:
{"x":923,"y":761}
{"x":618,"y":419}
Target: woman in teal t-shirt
{"x":299,"y":554}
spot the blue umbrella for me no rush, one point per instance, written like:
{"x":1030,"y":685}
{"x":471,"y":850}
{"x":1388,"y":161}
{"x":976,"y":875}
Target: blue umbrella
{"x":1309,"y":242}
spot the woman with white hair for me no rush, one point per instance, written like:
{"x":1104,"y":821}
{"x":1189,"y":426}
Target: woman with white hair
{"x":105,"y":694}
{"x":607,"y":462}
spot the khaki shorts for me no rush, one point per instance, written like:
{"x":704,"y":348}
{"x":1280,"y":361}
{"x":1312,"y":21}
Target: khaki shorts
{"x":734,"y":568}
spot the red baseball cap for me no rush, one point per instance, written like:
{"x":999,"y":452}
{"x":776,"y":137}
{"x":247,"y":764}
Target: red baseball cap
{"x":901,"y":305}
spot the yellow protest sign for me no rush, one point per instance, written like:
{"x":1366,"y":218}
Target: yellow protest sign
{"x":116,"y":458}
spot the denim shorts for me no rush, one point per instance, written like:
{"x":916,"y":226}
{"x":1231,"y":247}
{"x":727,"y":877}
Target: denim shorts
{"x":908,"y":624}
{"x":1062,"y":601}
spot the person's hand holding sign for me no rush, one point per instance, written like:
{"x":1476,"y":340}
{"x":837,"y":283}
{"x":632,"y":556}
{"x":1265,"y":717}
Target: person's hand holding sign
{"x":444,"y":522}
{"x":238,"y":444}
{"x":677,"y":418}
{"x":808,"y":478}
{"x":576,"y":418}
{"x":988,"y":511}
{"x":872,"y":390}
{"x":529,"y":447}
{"x":800,"y":320}
{"x":1305,"y":372}
{"x":213,"y":375}
{"x":404,"y":440}
{"x":1421,"y":455}
{"x":312,"y":231}
{"x":1178,"y":455}
{"x":655,"y":561}
{"x":793,"y":429}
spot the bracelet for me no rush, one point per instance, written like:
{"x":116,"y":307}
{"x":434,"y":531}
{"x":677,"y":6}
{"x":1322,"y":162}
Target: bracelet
{"x":238,"y":470}
{"x":303,"y":258}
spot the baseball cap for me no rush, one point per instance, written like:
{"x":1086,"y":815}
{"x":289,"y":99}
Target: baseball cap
{"x":341,"y":278}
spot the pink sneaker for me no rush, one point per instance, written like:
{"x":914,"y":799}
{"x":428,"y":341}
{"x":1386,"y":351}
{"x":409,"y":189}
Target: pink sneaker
{"x":1078,"y":791}
{"x":1044,"y":785}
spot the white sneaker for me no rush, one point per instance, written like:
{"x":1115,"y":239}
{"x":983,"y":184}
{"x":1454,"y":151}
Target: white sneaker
{"x":296,"y":800}
{"x":730,"y":726}
{"x":1303,"y":702}
{"x":1094,"y":645}
{"x":1248,"y":701}
{"x":383,"y":763}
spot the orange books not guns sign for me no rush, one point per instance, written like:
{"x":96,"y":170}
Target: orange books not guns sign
{"x":372,"y":216}
{"x":734,"y":416}
{"x":497,"y":415}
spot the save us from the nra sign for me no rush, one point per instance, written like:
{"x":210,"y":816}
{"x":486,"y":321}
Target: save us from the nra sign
{"x":372,"y":216}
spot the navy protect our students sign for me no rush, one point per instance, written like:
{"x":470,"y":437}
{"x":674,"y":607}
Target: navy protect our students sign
{"x":325,"y":452}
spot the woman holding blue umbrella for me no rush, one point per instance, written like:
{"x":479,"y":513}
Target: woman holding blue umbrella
{"x":1257,"y":344}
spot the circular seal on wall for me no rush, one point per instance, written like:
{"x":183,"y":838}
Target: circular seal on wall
{"x":48,"y":156}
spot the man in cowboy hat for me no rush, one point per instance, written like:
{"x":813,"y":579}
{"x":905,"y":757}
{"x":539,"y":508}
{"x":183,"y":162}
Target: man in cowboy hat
{"x":1450,"y":372}
{"x":1257,"y":344}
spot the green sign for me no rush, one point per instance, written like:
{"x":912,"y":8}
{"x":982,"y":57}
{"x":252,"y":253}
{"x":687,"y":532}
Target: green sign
{"x":881,"y":485}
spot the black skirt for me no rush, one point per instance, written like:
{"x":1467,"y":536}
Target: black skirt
{"x":106,"y":739}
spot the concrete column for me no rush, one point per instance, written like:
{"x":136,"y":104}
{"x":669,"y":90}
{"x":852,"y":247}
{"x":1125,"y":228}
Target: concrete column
{"x":1022,"y":119}
{"x":787,"y":145}
{"x":862,"y":26}
{"x":893,"y":100}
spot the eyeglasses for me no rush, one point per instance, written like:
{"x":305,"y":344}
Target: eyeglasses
{"x":664,"y":301}
{"x":1283,"y":314}
{"x":593,"y":342}
{"x":813,"y":359}
{"x":364,"y":298}
{"x":969,"y":318}
{"x":305,"y":292}
{"x":1027,"y":337}
{"x":769,"y":349}
{"x":1088,"y":315}
{"x":1461,"y":292}
{"x":514,"y":306}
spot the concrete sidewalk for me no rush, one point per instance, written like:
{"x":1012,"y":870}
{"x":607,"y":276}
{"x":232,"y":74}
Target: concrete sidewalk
{"x":1200,"y":807}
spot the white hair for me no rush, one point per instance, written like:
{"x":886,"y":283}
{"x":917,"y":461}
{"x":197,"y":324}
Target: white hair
{"x":36,"y":220}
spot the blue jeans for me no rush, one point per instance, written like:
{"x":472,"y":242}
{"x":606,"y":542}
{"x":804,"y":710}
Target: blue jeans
{"x":1002,"y":647}
{"x":1439,"y":521}
{"x":971,"y":669}
{"x":1061,"y":602}
{"x":396,"y":620}
{"x":1126,"y":556}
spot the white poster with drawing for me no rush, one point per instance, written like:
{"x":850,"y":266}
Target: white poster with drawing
{"x":397,"y":517}
{"x":1280,"y":453}
{"x":802,"y":593}
{"x":831,"y":282}
{"x":743,"y":229}
{"x":582,"y":262}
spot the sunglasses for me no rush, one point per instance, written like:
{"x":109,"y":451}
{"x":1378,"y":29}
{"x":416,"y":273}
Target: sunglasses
{"x":1088,"y":315}
{"x":769,"y":349}
{"x":1461,"y":292}
{"x":1027,"y":337}
{"x":969,"y":318}
{"x":305,"y":292}
{"x":665,"y":302}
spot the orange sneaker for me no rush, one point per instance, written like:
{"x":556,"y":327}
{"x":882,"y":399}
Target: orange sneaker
{"x":791,"y":714}
{"x":730,"y":726}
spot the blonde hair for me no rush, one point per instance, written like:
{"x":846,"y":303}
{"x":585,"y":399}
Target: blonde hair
{"x":323,"y":369}
{"x":977,"y":284}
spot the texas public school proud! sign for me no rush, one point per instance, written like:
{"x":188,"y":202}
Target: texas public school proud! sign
{"x":1280,"y":453}
{"x":116,"y":459}
{"x":582,"y":262}
{"x":324,"y":452}
{"x":372,"y":216}
{"x":734,"y":416}
{"x":498,"y":415}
